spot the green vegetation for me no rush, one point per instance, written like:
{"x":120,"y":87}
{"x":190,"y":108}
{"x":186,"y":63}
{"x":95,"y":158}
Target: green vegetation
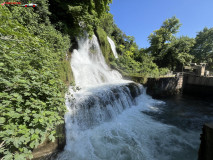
{"x":203,"y":48}
{"x":35,"y":70}
{"x":75,"y":17}
{"x":168,"y":51}
{"x":104,"y":44}
{"x":31,"y":88}
{"x":132,"y":61}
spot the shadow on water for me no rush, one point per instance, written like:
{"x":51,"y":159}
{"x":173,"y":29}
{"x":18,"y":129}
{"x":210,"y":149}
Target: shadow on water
{"x":184,"y":112}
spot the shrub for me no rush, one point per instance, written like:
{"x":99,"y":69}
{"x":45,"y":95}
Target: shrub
{"x":31,"y":92}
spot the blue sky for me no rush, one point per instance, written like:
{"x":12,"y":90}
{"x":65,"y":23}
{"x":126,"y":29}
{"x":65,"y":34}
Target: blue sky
{"x":139,"y":18}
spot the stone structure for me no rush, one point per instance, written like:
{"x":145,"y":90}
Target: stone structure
{"x":198,"y":85}
{"x":206,"y":146}
{"x":194,"y":69}
{"x":164,"y":87}
{"x":186,"y":83}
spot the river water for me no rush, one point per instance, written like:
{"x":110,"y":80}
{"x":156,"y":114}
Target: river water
{"x":187,"y":115}
{"x":105,"y":121}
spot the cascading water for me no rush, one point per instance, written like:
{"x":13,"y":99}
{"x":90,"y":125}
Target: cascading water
{"x":113,"y":47}
{"x":89,"y":66}
{"x":106,"y":118}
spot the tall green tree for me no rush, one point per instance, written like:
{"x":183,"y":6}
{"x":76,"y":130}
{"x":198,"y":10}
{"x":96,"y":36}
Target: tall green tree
{"x":203,"y":48}
{"x":167,"y":50}
{"x":161,"y":38}
{"x":177,"y":54}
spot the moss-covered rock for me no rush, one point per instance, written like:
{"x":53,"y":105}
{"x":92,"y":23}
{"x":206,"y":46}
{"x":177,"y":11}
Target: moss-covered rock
{"x":104,"y":44}
{"x":65,"y":71}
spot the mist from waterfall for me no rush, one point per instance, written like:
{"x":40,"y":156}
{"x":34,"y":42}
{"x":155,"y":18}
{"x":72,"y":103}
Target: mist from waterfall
{"x":113,"y":47}
{"x":106,"y":118}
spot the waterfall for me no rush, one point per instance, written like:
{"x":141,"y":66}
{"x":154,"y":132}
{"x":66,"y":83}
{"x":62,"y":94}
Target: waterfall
{"x":113,"y":47}
{"x":105,"y":120}
{"x":89,"y":66}
{"x":103,"y":94}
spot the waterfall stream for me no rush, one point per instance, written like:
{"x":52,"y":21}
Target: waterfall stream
{"x":106,"y":119}
{"x":113,"y":47}
{"x":89,"y":66}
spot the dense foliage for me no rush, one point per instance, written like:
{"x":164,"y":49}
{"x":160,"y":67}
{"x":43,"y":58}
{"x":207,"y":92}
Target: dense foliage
{"x":33,"y":66}
{"x":104,"y":44}
{"x":31,"y":89}
{"x":203,"y":48}
{"x":132,"y":60}
{"x":177,"y":53}
{"x":74,"y":16}
{"x":167,"y":50}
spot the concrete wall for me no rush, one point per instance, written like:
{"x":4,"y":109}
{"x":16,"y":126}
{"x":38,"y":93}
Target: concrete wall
{"x":164,"y":87}
{"x":188,"y":84}
{"x":203,"y":81}
{"x":206,"y":146}
{"x":198,"y":86}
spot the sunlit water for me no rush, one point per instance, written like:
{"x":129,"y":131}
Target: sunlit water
{"x":113,"y":47}
{"x":104,"y":122}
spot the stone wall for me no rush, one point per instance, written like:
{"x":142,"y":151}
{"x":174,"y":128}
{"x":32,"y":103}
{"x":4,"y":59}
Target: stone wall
{"x":206,"y":146}
{"x":164,"y":87}
{"x":198,"y":86}
{"x":187,"y":84}
{"x":196,"y":80}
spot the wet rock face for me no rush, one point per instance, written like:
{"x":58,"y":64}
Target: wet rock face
{"x":206,"y":146}
{"x":134,"y":90}
{"x":103,"y":104}
{"x":48,"y":150}
{"x":108,"y":97}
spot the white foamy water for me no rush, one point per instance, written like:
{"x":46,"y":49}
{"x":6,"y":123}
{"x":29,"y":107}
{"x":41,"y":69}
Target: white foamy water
{"x":89,"y":66}
{"x":105,"y":119}
{"x":113,"y":47}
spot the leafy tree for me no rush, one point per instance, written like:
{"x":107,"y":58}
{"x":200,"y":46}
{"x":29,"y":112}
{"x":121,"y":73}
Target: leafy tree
{"x":160,"y":39}
{"x":118,"y":36}
{"x":203,"y":48}
{"x":178,"y":54}
{"x":167,"y":50}
{"x":107,"y":23}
